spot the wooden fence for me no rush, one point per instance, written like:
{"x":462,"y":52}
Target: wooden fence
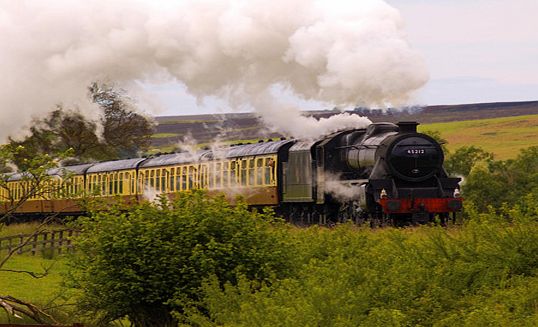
{"x":56,"y":241}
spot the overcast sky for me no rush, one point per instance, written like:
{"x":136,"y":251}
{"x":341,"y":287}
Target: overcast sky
{"x":476,"y":51}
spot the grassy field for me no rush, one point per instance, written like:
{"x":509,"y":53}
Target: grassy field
{"x":37,"y":290}
{"x":26,"y":228}
{"x":505,"y":136}
{"x":46,"y":292}
{"x":163,"y":135}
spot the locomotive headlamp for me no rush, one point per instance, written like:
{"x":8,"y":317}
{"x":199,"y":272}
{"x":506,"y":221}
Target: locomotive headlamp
{"x":383,"y":194}
{"x":457,"y":193}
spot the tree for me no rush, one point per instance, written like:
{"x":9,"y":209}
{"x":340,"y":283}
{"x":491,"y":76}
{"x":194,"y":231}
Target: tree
{"x":35,"y":182}
{"x":465,"y":158}
{"x":149,"y":260}
{"x":124,"y":132}
{"x":498,"y":183}
{"x":59,"y":132}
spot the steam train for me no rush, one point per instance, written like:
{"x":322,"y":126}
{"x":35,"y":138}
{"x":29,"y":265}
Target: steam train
{"x":385,"y":173}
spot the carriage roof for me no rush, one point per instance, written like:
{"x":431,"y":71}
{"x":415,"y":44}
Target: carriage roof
{"x":106,"y":166}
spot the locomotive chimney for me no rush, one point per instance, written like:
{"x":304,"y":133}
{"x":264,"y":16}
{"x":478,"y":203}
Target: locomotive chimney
{"x":408,"y":126}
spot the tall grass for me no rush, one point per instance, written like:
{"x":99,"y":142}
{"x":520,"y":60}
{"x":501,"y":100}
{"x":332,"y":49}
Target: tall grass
{"x":483,"y":274}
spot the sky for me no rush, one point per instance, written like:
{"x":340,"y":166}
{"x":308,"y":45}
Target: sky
{"x":475,"y":51}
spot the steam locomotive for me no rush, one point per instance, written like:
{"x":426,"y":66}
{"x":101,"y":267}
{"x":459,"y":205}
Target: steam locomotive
{"x":385,"y":174}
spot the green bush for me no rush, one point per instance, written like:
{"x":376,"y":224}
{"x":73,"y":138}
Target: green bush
{"x":145,"y":262}
{"x":503,"y":183}
{"x":462,"y":161}
{"x":482,"y":274}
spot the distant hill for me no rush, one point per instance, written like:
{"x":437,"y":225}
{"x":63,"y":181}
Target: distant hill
{"x":246,"y":126}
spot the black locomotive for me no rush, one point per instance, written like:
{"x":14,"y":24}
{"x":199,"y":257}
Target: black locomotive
{"x":386,"y":173}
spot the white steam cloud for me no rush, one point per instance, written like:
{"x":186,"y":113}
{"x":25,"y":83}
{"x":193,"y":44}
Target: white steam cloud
{"x":341,"y":53}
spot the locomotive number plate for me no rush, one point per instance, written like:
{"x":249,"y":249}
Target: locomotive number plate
{"x":416,"y":151}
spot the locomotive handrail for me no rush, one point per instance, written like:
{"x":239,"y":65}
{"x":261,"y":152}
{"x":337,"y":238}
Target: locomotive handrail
{"x":358,"y":147}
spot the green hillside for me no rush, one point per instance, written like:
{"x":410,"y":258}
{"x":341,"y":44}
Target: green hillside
{"x":504,"y":136}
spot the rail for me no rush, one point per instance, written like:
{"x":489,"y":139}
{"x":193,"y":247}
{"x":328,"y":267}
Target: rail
{"x":56,"y":241}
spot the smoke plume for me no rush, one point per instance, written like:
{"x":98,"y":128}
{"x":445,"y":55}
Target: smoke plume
{"x":341,"y":53}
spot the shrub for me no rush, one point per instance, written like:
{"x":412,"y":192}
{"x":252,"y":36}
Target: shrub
{"x":426,"y":276}
{"x":150,"y":260}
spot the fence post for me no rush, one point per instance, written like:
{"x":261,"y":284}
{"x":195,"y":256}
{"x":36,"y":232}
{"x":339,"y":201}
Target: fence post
{"x":45,"y":241}
{"x":34,"y":244}
{"x":52,"y":241}
{"x":21,"y":240}
{"x":60,"y":241}
{"x":69,"y":245}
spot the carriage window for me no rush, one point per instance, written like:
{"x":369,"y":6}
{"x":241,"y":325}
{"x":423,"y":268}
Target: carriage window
{"x":218,"y":175}
{"x":233,"y":173}
{"x":104,"y":185}
{"x":115,"y":182}
{"x":184,"y":177}
{"x":226,"y":174}
{"x":120,"y":183}
{"x":259,"y":171}
{"x":179,"y":179}
{"x":172,"y":178}
{"x":210,"y":172}
{"x":95,"y":184}
{"x":191,"y":177}
{"x":152,"y":178}
{"x":243,"y":176}
{"x":269,"y":170}
{"x":101,"y":183}
{"x":251,"y":172}
{"x":164,"y":180}
{"x":158,"y":180}
{"x":202,"y":176}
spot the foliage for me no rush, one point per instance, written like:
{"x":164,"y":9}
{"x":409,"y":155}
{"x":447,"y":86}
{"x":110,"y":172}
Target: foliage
{"x":59,"y":131}
{"x":483,"y":274}
{"x":148,"y":260}
{"x":465,"y":158}
{"x":124,"y":132}
{"x":504,"y":182}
